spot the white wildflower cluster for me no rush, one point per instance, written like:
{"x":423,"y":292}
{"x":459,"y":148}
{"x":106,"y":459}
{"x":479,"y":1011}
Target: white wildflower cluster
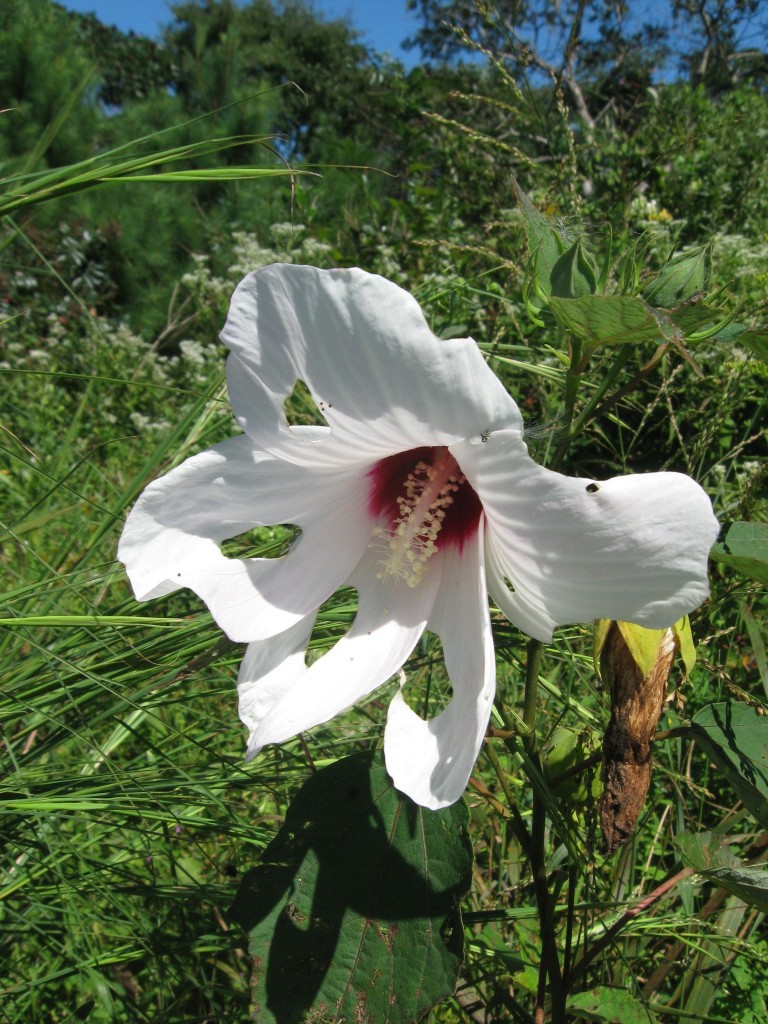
{"x":290,"y":244}
{"x":744,"y":258}
{"x":661,"y":228}
{"x":643,"y":210}
{"x":146,"y":425}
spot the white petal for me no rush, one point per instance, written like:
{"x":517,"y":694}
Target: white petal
{"x":172,"y":536}
{"x":632,"y":548}
{"x":378,"y":374}
{"x":431,"y":761}
{"x":268,"y":670}
{"x":390,"y":619}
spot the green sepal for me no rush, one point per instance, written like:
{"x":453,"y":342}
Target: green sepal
{"x":544,"y":243}
{"x":644,"y":644}
{"x":574,"y":274}
{"x":599,"y":635}
{"x":683,"y":277}
{"x":685,"y":644}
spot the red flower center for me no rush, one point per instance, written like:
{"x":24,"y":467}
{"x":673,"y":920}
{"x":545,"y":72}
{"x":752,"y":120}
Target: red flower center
{"x":425,"y":500}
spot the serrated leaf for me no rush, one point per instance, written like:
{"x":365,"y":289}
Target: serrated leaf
{"x":709,"y":855}
{"x":744,"y":546}
{"x":608,"y":319}
{"x":755,"y":340}
{"x":611,"y":1005}
{"x":735,"y":737}
{"x":353,"y":914}
{"x":705,"y":851}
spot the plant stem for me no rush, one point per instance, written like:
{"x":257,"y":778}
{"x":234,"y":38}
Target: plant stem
{"x":572,"y":382}
{"x":586,"y":413}
{"x":532,"y":666}
{"x":515,"y":819}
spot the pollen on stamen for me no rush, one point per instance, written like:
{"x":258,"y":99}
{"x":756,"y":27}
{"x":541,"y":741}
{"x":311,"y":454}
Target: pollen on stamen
{"x":422,"y":502}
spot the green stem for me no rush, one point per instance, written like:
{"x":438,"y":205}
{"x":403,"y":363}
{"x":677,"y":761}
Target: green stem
{"x":516,"y":821}
{"x":599,"y":410}
{"x":572,"y":383}
{"x":550,"y":962}
{"x":586,"y":413}
{"x":532,"y":667}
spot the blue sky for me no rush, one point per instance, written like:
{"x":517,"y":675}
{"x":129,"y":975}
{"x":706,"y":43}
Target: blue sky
{"x":383,"y":24}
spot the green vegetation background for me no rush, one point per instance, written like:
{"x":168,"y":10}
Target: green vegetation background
{"x":127,"y":813}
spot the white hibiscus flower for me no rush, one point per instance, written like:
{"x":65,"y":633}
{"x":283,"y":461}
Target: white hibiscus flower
{"x":420,"y":493}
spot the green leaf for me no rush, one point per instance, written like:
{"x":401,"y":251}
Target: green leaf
{"x":755,"y":340}
{"x":749,"y":883}
{"x":735,"y":737}
{"x":705,"y":851}
{"x":353,"y":913}
{"x":614,"y":1005}
{"x":694,"y":316}
{"x":709,"y":855}
{"x":608,"y":319}
{"x":744,"y":546}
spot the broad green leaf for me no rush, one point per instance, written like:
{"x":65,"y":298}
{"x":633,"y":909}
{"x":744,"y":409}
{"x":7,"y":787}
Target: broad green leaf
{"x":353,"y":913}
{"x":612,"y":1005}
{"x":735,"y":737}
{"x":709,"y":855}
{"x":749,"y":883}
{"x":705,"y":851}
{"x":608,"y":319}
{"x":744,"y":546}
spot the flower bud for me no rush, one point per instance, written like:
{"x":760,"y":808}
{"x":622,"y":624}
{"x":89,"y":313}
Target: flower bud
{"x":683,"y":277}
{"x":574,"y":274}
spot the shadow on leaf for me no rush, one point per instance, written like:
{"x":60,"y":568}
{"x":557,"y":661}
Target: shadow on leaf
{"x":354,"y":911}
